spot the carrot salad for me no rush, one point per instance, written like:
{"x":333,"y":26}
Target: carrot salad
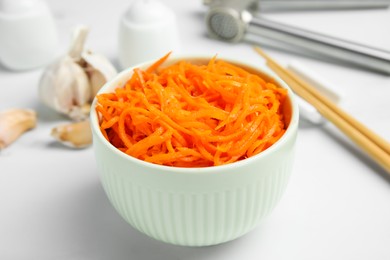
{"x":189,"y":115}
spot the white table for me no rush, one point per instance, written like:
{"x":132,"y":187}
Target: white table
{"x":337,"y":205}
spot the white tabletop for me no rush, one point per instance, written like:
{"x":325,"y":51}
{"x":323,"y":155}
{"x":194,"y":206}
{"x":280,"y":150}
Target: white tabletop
{"x":337,"y":205}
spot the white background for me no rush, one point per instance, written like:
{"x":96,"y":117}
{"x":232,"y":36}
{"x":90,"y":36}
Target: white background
{"x":337,"y":205}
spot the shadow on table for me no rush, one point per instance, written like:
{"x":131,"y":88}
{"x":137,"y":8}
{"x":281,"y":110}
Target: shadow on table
{"x":357,"y":152}
{"x":105,"y":235}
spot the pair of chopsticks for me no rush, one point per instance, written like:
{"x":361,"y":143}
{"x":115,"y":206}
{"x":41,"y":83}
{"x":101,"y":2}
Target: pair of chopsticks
{"x":375,"y":146}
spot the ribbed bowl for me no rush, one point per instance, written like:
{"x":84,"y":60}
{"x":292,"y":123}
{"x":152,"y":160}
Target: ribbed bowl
{"x":195,"y":206}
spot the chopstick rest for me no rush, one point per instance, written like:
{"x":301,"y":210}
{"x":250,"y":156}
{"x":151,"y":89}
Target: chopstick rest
{"x":308,"y":113}
{"x":325,"y":87}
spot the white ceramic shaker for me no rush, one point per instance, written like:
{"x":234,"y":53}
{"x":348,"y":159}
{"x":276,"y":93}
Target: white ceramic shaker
{"x":28,"y":35}
{"x":148,"y":30}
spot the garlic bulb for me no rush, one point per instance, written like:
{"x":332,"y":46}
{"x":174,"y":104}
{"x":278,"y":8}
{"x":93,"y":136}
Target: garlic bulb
{"x":74,"y":135}
{"x":70,"y":83}
{"x":13,"y":123}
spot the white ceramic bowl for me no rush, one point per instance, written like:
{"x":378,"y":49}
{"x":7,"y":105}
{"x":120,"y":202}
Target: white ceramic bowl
{"x":195,"y":206}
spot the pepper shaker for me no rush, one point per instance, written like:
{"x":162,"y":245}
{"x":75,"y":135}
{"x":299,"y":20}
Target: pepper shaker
{"x":148,"y":30}
{"x":28,"y":33}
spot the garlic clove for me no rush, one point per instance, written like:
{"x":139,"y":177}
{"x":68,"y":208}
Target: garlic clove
{"x":97,"y":80}
{"x":80,"y":113}
{"x":13,"y":123}
{"x":74,"y":135}
{"x":53,"y":91}
{"x":81,"y":88}
{"x":99,"y":69}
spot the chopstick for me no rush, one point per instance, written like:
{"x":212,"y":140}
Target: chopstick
{"x":375,"y":146}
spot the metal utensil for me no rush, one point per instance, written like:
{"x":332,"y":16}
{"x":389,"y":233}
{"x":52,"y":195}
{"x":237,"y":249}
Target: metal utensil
{"x":299,"y":5}
{"x":230,"y":21}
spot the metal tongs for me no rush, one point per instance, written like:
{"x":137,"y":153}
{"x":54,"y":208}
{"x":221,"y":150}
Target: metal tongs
{"x":234,"y":20}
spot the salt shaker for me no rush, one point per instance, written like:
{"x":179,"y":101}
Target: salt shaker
{"x":29,"y":37}
{"x":148,"y":30}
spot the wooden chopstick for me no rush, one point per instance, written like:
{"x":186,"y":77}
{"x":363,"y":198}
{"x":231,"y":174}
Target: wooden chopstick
{"x":362,"y":128}
{"x":375,"y":146}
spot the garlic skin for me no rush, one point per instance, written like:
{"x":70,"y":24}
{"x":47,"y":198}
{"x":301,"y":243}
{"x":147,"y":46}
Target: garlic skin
{"x":13,"y":123}
{"x":75,"y":135}
{"x":70,"y":83}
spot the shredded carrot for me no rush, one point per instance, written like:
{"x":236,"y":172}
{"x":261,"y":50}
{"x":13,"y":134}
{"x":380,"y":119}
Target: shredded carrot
{"x":191,"y":115}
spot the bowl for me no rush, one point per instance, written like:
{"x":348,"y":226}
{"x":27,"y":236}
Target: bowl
{"x":196,"y":206}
